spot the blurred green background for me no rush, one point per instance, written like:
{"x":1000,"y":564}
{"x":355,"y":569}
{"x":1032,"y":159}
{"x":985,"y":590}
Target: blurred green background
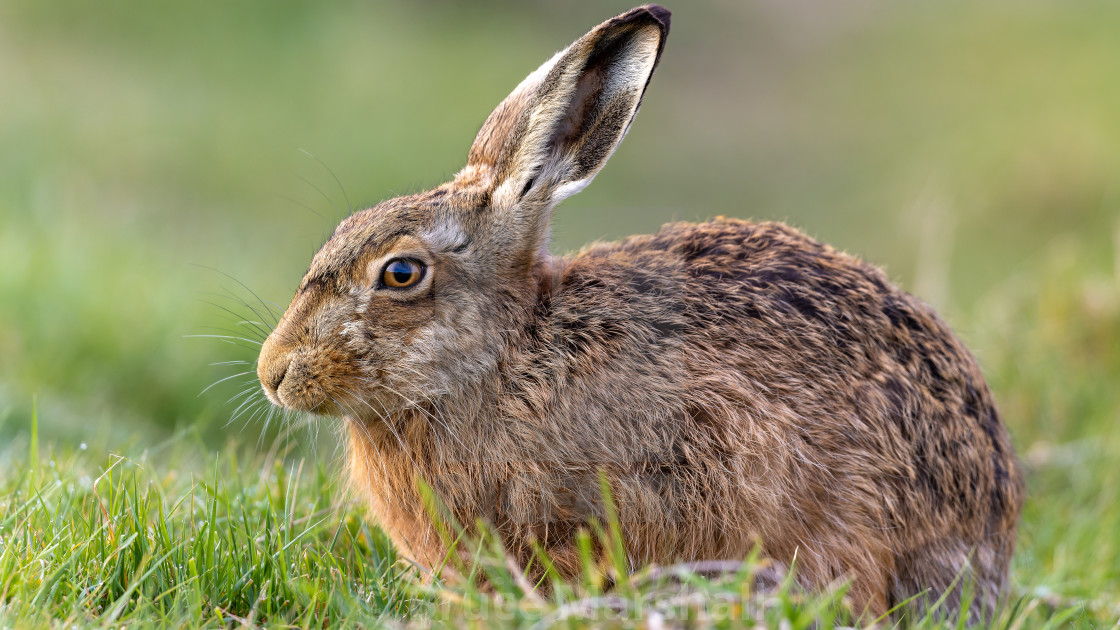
{"x":148,"y":149}
{"x":957,"y":145}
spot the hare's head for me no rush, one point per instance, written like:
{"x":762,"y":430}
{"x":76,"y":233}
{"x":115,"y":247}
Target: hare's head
{"x":417,"y":297}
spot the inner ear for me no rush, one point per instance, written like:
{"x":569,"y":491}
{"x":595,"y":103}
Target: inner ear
{"x":581,"y":107}
{"x":592,"y":90}
{"x":595,"y":116}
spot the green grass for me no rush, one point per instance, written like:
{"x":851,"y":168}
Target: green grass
{"x":969,"y":148}
{"x":168,"y":539}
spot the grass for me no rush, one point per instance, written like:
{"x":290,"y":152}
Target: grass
{"x":254,"y":540}
{"x":111,"y":540}
{"x":971,"y":149}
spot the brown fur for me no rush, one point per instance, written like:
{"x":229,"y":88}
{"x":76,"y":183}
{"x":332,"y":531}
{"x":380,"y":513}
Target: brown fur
{"x":737,"y":383}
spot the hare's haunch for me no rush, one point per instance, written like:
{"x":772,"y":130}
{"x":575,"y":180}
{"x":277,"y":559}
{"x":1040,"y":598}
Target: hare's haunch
{"x":736,"y":383}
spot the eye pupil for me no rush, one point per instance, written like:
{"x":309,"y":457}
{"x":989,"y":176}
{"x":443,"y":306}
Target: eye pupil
{"x":401,"y":273}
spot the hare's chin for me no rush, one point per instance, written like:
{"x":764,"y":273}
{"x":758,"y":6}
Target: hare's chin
{"x":305,"y":398}
{"x":308,"y":404}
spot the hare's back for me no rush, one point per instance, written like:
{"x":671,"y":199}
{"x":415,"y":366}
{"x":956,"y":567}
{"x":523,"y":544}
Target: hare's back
{"x":767,"y":303}
{"x":766,"y":286}
{"x":732,"y":278}
{"x":816,"y":346}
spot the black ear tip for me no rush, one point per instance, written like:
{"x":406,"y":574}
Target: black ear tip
{"x":660,"y":13}
{"x":646,"y":14}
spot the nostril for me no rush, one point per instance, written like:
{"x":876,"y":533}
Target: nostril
{"x":276,"y":376}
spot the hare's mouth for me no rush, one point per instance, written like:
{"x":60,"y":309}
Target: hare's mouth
{"x":328,"y":395}
{"x":302,"y":379}
{"x":295,"y":385}
{"x":302,"y":395}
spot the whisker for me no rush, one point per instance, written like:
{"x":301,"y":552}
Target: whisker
{"x":267,"y":421}
{"x":227,"y":294}
{"x":222,"y":380}
{"x":248,"y":391}
{"x":257,"y":325}
{"x":305,"y":206}
{"x":261,"y":332}
{"x":241,"y":410}
{"x":342,"y":188}
{"x":244,"y":286}
{"x":266,"y":410}
{"x":322,"y":194}
{"x":244,"y":324}
{"x":267,"y":309}
{"x":252,"y":341}
{"x":389,"y":425}
{"x":441,"y":421}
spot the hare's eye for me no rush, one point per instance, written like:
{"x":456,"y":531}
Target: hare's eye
{"x":401,"y":273}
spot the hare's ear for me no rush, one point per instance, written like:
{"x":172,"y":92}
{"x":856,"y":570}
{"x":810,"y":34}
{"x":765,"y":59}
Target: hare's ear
{"x":549,"y":138}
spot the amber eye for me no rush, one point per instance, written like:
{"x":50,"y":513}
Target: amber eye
{"x":402,"y":273}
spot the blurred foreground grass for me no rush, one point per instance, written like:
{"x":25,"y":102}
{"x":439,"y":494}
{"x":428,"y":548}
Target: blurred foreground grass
{"x":971,"y":149}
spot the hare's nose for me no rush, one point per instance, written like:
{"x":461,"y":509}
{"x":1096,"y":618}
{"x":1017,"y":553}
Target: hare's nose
{"x":273,"y":374}
{"x":272,"y":365}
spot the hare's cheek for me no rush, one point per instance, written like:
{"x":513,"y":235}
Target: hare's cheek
{"x":387,"y":319}
{"x":453,"y":350}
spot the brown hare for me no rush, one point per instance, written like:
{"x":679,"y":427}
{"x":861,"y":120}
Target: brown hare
{"x":737,"y":383}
